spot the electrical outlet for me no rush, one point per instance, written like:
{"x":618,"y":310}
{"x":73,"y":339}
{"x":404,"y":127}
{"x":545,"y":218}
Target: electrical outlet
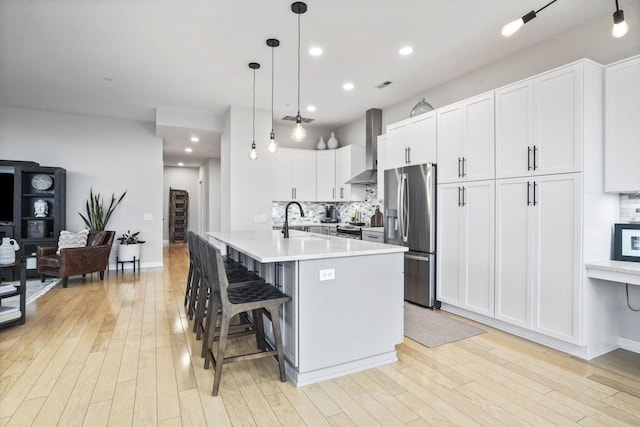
{"x":329,"y":274}
{"x":260,"y":218}
{"x":147,"y":217}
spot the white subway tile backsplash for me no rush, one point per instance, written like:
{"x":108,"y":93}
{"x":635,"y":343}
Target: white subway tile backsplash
{"x":629,"y":208}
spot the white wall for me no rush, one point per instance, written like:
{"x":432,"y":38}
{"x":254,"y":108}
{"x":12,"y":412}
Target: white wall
{"x":180,"y":178}
{"x":210,"y":175}
{"x":108,"y":155}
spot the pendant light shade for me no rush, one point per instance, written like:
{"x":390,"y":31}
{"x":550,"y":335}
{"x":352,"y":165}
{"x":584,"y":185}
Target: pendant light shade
{"x":272,"y":146}
{"x":253,"y":154}
{"x":620,"y":26}
{"x":299,"y":133}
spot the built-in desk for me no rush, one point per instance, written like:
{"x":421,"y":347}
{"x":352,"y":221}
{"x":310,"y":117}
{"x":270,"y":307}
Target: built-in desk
{"x":615,"y":271}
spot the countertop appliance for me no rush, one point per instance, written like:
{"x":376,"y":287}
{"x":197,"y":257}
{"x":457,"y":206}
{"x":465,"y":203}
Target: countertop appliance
{"x":330,"y":214}
{"x":409,"y":208}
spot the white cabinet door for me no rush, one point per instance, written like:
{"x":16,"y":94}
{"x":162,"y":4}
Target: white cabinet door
{"x":558,"y":120}
{"x":422,"y":139}
{"x":303,"y":179}
{"x":450,"y":143}
{"x":326,"y":175}
{"x":382,"y":164}
{"x":622,"y":147}
{"x":514,"y":251}
{"x":479,"y":142}
{"x":514,"y":130}
{"x":398,"y":135}
{"x":449,"y":244}
{"x":350,"y":161}
{"x":465,"y":260}
{"x":294,"y":175}
{"x":557,"y":276}
{"x":478,"y":246}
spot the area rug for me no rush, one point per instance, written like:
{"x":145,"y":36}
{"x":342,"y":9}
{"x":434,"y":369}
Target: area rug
{"x":432,"y":329}
{"x":35,"y":289}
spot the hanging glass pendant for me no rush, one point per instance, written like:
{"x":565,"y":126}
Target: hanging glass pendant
{"x":299,"y":133}
{"x":272,"y":146}
{"x":253,"y":154}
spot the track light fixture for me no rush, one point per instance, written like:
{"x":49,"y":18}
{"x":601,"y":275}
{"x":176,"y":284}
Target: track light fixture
{"x":620,"y":26}
{"x":299,"y":133}
{"x":509,"y":29}
{"x":272,"y":146}
{"x":253,"y":154}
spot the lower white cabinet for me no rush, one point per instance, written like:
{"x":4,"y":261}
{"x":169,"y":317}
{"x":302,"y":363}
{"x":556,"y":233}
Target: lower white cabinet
{"x":465,"y":245}
{"x":373,"y":236}
{"x":538,"y":254}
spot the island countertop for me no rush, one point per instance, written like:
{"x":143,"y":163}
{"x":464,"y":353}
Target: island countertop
{"x":271,"y":246}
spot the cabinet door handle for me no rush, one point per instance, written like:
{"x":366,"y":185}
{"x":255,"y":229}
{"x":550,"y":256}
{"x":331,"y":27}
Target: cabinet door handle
{"x":459,"y":194}
{"x":535,"y":161}
{"x":535,"y":196}
{"x":342,"y":192}
{"x":459,"y":167}
{"x":529,"y":158}
{"x":408,"y":155}
{"x":464,"y":196}
{"x":333,"y":193}
{"x":528,"y":193}
{"x":464,"y":167}
{"x":292,"y":196}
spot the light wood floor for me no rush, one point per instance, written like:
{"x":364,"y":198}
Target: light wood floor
{"x":121,"y":352}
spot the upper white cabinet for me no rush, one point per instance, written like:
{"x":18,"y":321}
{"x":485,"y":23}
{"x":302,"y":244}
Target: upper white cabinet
{"x":333,"y":168}
{"x":539,"y":122}
{"x":622,"y":126}
{"x":295,"y":175}
{"x":465,"y":143}
{"x":412,"y":141}
{"x":382,"y":164}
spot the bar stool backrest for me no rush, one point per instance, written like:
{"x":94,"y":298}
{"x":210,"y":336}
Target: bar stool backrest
{"x":215,"y":264}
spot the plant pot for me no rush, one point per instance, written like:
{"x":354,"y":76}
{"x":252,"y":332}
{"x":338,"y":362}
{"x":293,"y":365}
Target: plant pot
{"x":128,"y":252}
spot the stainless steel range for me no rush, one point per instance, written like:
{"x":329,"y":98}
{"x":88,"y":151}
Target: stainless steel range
{"x":349,"y":231}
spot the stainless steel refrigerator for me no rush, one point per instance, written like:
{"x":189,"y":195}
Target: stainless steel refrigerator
{"x":410,"y":207}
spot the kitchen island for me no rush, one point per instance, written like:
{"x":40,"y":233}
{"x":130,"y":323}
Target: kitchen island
{"x":347,"y":297}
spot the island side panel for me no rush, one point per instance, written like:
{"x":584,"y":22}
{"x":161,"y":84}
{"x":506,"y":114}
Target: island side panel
{"x":357,"y":315}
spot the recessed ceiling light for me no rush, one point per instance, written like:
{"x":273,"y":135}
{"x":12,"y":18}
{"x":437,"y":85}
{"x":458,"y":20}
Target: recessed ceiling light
{"x":180,"y":164}
{"x":311,"y":108}
{"x":348,"y":86}
{"x":188,"y":149}
{"x":315,"y":51}
{"x":195,"y":139}
{"x":407,"y":50}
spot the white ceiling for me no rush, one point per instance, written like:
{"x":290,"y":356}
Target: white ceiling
{"x":125,"y":58}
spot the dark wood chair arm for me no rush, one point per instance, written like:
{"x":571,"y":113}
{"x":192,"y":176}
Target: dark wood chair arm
{"x":45,"y":250}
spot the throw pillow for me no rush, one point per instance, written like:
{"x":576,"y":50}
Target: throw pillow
{"x":69,"y":239}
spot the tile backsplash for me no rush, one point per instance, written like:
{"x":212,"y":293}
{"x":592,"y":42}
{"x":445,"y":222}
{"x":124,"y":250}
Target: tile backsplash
{"x":629,"y":208}
{"x":315,"y":211}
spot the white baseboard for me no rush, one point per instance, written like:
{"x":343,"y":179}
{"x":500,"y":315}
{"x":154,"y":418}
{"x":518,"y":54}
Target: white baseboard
{"x":628,"y":344}
{"x":143,"y":265}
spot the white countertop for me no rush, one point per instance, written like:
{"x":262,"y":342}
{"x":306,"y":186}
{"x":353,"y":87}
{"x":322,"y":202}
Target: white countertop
{"x":271,"y":246}
{"x":615,"y":271}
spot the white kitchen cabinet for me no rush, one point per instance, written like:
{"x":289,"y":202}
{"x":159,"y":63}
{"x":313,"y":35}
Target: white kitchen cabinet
{"x":465,"y":142}
{"x":382,"y":164}
{"x":465,"y":245}
{"x":326,"y":175}
{"x":412,"y":141}
{"x":373,"y":235}
{"x":622,"y":126}
{"x":294,"y":175}
{"x":538,"y":258}
{"x":350,"y":161}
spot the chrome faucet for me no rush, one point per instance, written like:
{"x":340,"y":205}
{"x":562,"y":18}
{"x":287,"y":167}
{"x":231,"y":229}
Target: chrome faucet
{"x":285,"y":227}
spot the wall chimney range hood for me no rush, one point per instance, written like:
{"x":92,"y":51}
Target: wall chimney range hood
{"x":373,"y":129}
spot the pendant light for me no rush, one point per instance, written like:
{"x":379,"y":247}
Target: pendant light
{"x":509,"y":29}
{"x":253,"y":154}
{"x":299,"y":133}
{"x":272,"y":146}
{"x":620,"y":26}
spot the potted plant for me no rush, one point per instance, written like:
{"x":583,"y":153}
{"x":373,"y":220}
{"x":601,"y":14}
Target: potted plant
{"x":129,"y":248}
{"x":97,"y":216}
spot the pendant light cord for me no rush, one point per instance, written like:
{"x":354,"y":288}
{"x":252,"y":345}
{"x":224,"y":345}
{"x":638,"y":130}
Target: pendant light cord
{"x":272,"y":56}
{"x":298,"y":64}
{"x":617,"y":8}
{"x":550,"y":3}
{"x":253,"y":140}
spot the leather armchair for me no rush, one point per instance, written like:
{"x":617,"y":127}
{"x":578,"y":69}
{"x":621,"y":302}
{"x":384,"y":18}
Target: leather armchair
{"x":75,"y":261}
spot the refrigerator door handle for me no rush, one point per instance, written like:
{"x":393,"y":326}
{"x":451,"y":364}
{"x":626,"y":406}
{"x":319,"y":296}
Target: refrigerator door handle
{"x":405,"y":208}
{"x":417,"y":257}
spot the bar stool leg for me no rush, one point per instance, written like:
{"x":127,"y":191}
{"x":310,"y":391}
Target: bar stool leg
{"x":277,"y":333}
{"x":222,"y":344}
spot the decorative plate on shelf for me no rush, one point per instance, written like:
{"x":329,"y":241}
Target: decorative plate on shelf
{"x":41,"y":182}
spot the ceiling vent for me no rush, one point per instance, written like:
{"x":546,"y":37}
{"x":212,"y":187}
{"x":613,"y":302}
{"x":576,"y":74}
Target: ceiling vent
{"x":383,"y":84}
{"x":293,"y":119}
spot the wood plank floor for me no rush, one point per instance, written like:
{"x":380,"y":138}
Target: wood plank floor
{"x":121,"y":352}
